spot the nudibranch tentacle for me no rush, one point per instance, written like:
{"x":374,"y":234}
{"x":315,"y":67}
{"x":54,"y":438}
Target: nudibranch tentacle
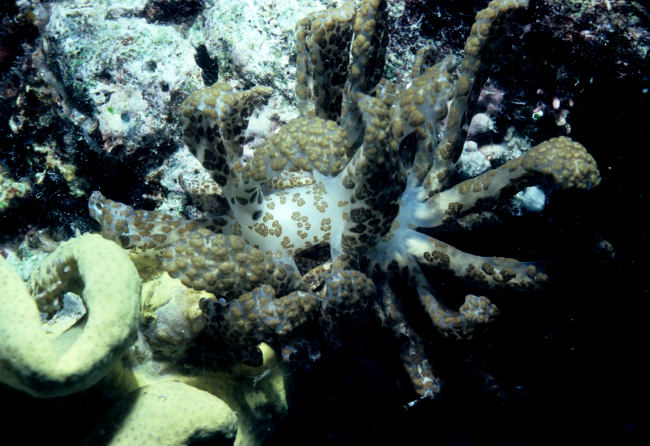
{"x":566,"y":162}
{"x":213,"y":121}
{"x":486,"y":36}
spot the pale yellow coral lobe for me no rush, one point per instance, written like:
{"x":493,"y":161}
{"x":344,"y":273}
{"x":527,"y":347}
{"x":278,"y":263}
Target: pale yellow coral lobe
{"x":108,"y":283}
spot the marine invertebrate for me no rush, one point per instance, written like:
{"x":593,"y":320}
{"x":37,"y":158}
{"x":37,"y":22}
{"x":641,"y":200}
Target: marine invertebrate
{"x":47,"y":366}
{"x":343,"y":176}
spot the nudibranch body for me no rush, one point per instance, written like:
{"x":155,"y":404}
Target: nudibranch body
{"x":337,"y":178}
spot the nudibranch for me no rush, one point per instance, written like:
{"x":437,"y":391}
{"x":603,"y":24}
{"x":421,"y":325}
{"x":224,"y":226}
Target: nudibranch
{"x":342,"y":178}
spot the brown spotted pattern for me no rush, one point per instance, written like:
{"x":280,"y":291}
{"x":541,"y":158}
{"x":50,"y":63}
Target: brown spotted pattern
{"x":322,"y":46}
{"x":214,"y":121}
{"x":377,"y":180}
{"x":301,"y":145}
{"x":226,"y":265}
{"x":335,"y":178}
{"x":473,"y":315}
{"x":486,"y":35}
{"x":566,"y":162}
{"x":412,"y":354}
{"x":258,"y":316}
{"x":369,"y":46}
{"x":207,"y":196}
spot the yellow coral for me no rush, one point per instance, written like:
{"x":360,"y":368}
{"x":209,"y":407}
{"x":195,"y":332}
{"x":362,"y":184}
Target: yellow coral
{"x":169,"y":413}
{"x":108,"y":283}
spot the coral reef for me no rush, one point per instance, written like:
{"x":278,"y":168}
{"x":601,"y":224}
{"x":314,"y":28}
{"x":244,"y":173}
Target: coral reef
{"x":306,"y":208}
{"x":132,"y":70}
